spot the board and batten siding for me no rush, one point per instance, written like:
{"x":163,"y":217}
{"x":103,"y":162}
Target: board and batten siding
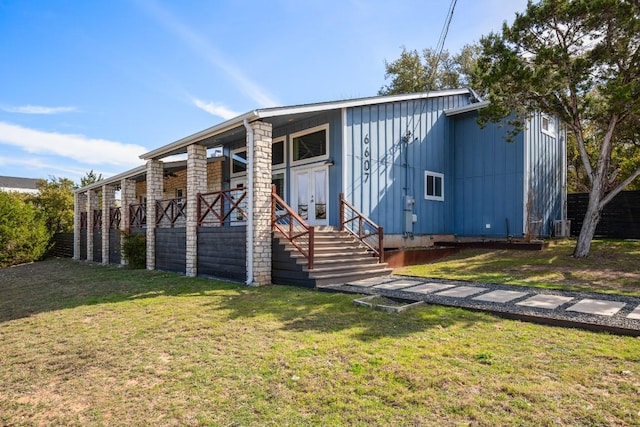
{"x":488,"y":185}
{"x":545,"y":185}
{"x":382,"y":169}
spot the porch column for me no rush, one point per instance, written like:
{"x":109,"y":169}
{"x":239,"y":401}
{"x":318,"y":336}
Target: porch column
{"x":79,"y":206}
{"x":108,"y":199}
{"x":127,"y":198}
{"x":92,"y":204}
{"x":196,"y":183}
{"x":261,"y":203}
{"x":154,"y":193}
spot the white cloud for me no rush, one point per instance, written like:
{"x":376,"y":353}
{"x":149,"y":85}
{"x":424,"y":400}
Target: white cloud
{"x":38,"y":109}
{"x":77,"y":147}
{"x":202,"y":47}
{"x":42,"y":168}
{"x":214,"y":109}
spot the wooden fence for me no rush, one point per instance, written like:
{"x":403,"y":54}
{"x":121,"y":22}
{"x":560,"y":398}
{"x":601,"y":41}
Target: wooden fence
{"x":62,"y":245}
{"x":620,"y":217}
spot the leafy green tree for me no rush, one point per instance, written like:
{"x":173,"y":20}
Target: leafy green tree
{"x":55,"y":199}
{"x":415,"y":73}
{"x":90,"y":178}
{"x":23,"y":232}
{"x":579,"y":60}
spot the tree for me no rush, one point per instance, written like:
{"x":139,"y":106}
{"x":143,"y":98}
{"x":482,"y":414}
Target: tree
{"x":578,"y":60}
{"x":23,"y":233}
{"x":55,"y":200}
{"x":411,"y":73}
{"x":90,"y":178}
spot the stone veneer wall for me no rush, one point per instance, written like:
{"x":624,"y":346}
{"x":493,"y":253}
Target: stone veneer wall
{"x":154,"y":192}
{"x":108,"y":201}
{"x":196,"y":183}
{"x":79,"y":206}
{"x":261,"y":203}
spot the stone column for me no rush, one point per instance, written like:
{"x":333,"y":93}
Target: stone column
{"x":92,"y":204}
{"x":79,"y":206}
{"x":154,"y":192}
{"x":108,"y":201}
{"x":127,"y":198}
{"x":261,"y":203}
{"x":196,"y":183}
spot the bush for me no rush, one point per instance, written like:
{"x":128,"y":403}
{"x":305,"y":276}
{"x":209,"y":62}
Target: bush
{"x":23,"y":231}
{"x":134,"y":249}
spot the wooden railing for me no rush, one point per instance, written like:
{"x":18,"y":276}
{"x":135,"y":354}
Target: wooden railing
{"x":171,"y":213}
{"x":97,"y":218}
{"x":222,"y":207}
{"x":137,"y":215}
{"x":293,"y":228}
{"x":83,"y":220}
{"x":365,"y":230}
{"x":115,"y":217}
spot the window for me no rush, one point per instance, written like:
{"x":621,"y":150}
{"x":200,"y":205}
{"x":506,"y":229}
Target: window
{"x":277,"y":149}
{"x":179,"y":194}
{"x":239,"y":161}
{"x":548,"y":126}
{"x":310,"y":145}
{"x":278,"y":180}
{"x":433,"y":186}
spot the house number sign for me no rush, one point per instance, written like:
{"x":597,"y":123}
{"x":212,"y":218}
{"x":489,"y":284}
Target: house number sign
{"x":366,"y":166}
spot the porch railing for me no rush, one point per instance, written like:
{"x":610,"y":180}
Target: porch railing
{"x":115,"y":216}
{"x":171,"y":213}
{"x":222,"y":207}
{"x":97,"y":218}
{"x":293,"y":228}
{"x":365,"y":230}
{"x":137,"y":215}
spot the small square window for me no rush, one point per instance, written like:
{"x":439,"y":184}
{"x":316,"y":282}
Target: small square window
{"x":239,"y":161}
{"x":547,"y":124}
{"x":310,"y":145}
{"x":433,"y":186}
{"x":277,"y":149}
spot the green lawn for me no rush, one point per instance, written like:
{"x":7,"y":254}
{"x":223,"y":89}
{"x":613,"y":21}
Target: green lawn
{"x":89,"y":345}
{"x":612,"y":267}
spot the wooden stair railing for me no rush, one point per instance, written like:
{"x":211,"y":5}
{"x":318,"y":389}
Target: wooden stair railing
{"x":292,"y":226}
{"x":365,"y":230}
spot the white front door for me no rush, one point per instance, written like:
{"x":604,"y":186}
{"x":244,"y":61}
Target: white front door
{"x":239,"y":185}
{"x":310,"y":194}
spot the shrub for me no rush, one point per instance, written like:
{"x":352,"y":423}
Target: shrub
{"x":23,"y":231}
{"x":134,"y":249}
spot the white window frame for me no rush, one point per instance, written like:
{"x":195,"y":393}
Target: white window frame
{"x":284,"y":181}
{"x":434,"y":175}
{"x":237,"y":150}
{"x":551,"y":128}
{"x":324,"y":127}
{"x":282,"y":139}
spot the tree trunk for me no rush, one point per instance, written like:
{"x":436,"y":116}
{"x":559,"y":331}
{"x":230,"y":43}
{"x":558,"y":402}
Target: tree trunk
{"x":589,"y":223}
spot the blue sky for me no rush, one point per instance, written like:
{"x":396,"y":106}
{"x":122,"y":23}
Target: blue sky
{"x":89,"y":84}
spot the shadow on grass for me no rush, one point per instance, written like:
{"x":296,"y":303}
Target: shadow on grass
{"x":58,"y":284}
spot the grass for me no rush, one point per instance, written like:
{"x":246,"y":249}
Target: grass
{"x":612,"y":267}
{"x":88,"y":345}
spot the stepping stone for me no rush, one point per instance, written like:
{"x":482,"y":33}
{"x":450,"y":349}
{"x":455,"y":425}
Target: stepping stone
{"x":500,"y":296}
{"x":635,"y":314}
{"x":371,"y":281}
{"x":429,"y":287}
{"x":549,"y":302}
{"x":461,"y":291}
{"x":597,"y":306}
{"x":398,"y":284}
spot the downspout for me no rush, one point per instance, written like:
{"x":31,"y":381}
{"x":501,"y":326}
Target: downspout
{"x":250,"y":202}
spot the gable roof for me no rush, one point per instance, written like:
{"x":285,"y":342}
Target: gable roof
{"x":17,"y":183}
{"x":180,"y":145}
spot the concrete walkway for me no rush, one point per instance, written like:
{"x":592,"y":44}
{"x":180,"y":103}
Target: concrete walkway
{"x":604,"y":312}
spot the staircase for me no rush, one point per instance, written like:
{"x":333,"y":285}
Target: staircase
{"x":338,"y":258}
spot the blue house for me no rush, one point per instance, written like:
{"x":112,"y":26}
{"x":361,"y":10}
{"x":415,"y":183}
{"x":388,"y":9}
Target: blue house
{"x":394,"y":171}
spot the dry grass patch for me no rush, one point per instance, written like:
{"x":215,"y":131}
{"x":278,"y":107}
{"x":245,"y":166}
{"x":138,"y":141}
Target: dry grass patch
{"x":85,"y":345}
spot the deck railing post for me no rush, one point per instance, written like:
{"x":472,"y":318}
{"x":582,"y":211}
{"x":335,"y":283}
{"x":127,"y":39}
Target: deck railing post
{"x":342,"y":211}
{"x":311,"y":245}
{"x":380,"y":244}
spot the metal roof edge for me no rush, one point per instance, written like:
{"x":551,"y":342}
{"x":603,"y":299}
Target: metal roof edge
{"x":110,"y":180}
{"x":198,"y":136}
{"x":466,"y":108}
